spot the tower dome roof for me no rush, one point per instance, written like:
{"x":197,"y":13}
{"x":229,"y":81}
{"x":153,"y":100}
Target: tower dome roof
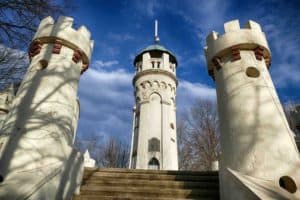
{"x":155,"y":47}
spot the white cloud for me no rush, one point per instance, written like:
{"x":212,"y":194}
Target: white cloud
{"x":100,"y":63}
{"x":203,"y":16}
{"x":188,"y":92}
{"x":196,"y":90}
{"x":107,"y":99}
{"x":148,"y":7}
{"x":107,"y":50}
{"x":120,"y":36}
{"x":284,"y":42}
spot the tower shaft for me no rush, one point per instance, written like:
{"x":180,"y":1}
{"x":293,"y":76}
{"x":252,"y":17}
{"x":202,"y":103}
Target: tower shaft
{"x":37,"y":136}
{"x":255,"y":137}
{"x":154,"y":144}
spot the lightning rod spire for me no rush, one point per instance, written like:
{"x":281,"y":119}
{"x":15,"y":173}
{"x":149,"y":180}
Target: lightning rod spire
{"x":156,"y":38}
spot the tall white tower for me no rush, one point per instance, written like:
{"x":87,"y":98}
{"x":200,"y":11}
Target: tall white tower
{"x":259,"y":153}
{"x":154,"y":140}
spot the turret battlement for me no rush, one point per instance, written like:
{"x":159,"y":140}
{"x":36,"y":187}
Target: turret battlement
{"x":250,"y":37}
{"x":61,"y":33}
{"x":45,"y":110}
{"x":256,"y":141}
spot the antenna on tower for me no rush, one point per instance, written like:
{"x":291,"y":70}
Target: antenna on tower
{"x":156,"y":38}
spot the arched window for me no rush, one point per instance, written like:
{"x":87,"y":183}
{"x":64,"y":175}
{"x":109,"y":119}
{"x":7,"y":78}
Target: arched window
{"x":137,"y":100}
{"x":153,"y":164}
{"x":154,"y":145}
{"x":298,"y":127}
{"x":152,"y":64}
{"x":158,"y":64}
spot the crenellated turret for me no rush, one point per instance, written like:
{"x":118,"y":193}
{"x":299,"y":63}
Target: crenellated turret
{"x":6,"y":98}
{"x":37,"y":160}
{"x":259,"y":153}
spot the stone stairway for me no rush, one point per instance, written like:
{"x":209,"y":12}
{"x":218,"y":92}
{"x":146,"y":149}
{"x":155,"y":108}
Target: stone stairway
{"x":128,"y":184}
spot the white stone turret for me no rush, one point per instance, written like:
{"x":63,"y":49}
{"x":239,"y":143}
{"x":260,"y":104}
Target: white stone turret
{"x":154,"y":141}
{"x":6,"y":97}
{"x":295,"y":123}
{"x":295,"y":115}
{"x":37,"y":160}
{"x":258,"y":147}
{"x":88,"y":161}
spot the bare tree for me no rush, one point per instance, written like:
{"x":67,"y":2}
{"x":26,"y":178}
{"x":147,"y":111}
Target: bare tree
{"x":199,"y":137}
{"x":184,"y":151}
{"x":20,"y":18}
{"x":114,"y":154}
{"x":13,"y":65}
{"x":290,"y":113}
{"x":18,"y":22}
{"x":111,"y":153}
{"x":90,"y":143}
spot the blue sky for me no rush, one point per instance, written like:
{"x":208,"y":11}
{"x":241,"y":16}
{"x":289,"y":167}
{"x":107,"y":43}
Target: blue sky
{"x":120,"y":29}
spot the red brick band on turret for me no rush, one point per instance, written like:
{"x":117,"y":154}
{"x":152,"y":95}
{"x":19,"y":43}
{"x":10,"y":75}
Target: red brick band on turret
{"x":57,"y":47}
{"x":259,"y":52}
{"x":235,"y":53}
{"x":35,"y":48}
{"x":85,"y":66}
{"x":259,"y":55}
{"x":78,"y":55}
{"x":216,"y":62}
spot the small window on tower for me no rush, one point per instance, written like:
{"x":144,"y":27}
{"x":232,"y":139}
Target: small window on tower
{"x":158,"y":64}
{"x":288,"y":183}
{"x":134,"y":153}
{"x":298,"y":127}
{"x":152,"y":64}
{"x":42,"y":64}
{"x":153,"y":164}
{"x":252,"y":72}
{"x":137,"y":122}
{"x":172,"y":126}
{"x":154,"y":145}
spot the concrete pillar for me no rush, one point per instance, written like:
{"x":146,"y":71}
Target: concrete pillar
{"x":132,"y":158}
{"x":255,"y":137}
{"x":37,"y":159}
{"x":215,"y":165}
{"x":88,"y":161}
{"x":154,"y":143}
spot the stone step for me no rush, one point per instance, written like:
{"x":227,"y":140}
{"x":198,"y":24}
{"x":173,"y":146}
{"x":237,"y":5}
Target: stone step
{"x":93,"y":197}
{"x":151,"y":183}
{"x":96,"y":197}
{"x":144,"y":176}
{"x":148,"y":184}
{"x":136,"y":192}
{"x":144,"y":171}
